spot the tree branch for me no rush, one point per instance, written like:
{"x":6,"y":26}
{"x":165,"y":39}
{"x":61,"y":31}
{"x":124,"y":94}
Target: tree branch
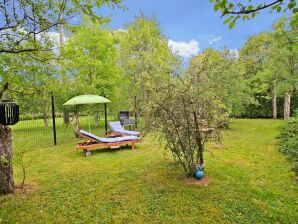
{"x":246,"y":11}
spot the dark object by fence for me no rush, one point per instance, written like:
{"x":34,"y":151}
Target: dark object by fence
{"x":9,"y":112}
{"x":54,"y":120}
{"x":123,"y":115}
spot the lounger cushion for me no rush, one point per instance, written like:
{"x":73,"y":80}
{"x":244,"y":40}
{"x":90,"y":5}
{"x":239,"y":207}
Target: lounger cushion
{"x":116,"y":127}
{"x":108,"y":140}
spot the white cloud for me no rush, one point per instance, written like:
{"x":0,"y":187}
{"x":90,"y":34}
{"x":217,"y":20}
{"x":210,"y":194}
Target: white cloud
{"x":234,"y":52}
{"x":184,"y":49}
{"x":19,"y":34}
{"x":55,"y":36}
{"x":122,"y":30}
{"x":214,"y":39}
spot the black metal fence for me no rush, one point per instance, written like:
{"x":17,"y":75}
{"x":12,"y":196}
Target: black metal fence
{"x":50,"y":125}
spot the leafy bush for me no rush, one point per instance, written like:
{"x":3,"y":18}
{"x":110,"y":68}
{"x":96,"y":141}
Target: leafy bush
{"x":289,"y":141}
{"x":185,"y":116}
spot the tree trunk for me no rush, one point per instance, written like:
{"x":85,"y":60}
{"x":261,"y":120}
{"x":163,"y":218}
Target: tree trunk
{"x":66,"y":117}
{"x":287,"y":106}
{"x":46,"y":119}
{"x":77,"y":124}
{"x":97,"y":119}
{"x":6,"y":168}
{"x":135,"y":111}
{"x":274,"y":106}
{"x":199,"y":141}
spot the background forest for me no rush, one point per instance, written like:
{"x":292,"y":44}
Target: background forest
{"x":259,"y":81}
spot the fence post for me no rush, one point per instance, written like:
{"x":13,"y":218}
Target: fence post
{"x":54,"y":119}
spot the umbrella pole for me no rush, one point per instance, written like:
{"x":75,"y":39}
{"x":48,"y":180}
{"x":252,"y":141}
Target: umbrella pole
{"x":106,"y":122}
{"x":89,"y":120}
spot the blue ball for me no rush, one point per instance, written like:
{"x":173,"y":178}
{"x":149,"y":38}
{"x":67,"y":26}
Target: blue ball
{"x":199,"y":174}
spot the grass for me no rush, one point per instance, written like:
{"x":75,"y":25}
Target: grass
{"x":249,"y":182}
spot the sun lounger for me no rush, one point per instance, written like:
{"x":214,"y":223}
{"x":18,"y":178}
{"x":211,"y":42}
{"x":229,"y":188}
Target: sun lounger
{"x":118,"y":130}
{"x":95,"y":142}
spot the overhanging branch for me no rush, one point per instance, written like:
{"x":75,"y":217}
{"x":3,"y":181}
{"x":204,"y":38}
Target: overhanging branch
{"x":249,"y":11}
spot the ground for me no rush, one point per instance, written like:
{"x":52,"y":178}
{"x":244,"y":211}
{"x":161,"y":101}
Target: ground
{"x":249,"y":181}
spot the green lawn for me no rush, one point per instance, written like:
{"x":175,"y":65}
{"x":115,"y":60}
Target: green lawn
{"x":249,"y":182}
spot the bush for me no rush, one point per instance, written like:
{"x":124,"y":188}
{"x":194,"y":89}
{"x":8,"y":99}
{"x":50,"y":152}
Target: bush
{"x":185,"y":117}
{"x":289,"y":141}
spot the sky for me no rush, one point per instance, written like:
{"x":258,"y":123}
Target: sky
{"x":191,"y":25}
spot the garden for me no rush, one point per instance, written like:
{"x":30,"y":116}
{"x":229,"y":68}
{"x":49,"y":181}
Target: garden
{"x":105,"y":125}
{"x":247,"y":181}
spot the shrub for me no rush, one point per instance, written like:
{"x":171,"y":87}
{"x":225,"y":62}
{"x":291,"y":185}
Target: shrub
{"x":289,"y":141}
{"x":186,"y":117}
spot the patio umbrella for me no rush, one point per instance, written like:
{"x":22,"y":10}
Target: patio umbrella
{"x":89,"y":99}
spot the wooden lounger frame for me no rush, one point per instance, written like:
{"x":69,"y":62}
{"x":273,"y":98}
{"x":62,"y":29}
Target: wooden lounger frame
{"x":90,"y":144}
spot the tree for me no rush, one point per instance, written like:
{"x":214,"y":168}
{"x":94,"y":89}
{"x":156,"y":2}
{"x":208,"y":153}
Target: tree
{"x":30,"y":83}
{"x":285,"y":56}
{"x":185,"y":116}
{"x":252,"y":57}
{"x":91,"y":60}
{"x":25,"y":27}
{"x":27,"y":79}
{"x":145,"y":58}
{"x":271,"y":76}
{"x":25,"y":23}
{"x":221,"y":70}
{"x":246,"y":10}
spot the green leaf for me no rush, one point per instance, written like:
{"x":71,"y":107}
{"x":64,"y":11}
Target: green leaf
{"x":228,"y":19}
{"x":230,"y":6}
{"x":216,"y":7}
{"x":223,"y":3}
{"x":291,"y":5}
{"x":232,"y":24}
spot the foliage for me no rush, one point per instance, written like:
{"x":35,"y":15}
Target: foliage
{"x":30,"y":82}
{"x":25,"y":23}
{"x":91,"y":60}
{"x":246,"y":10}
{"x":250,"y":181}
{"x":224,"y":75}
{"x":270,"y":62}
{"x":186,"y":116}
{"x":289,"y":141}
{"x":284,"y":54}
{"x":252,"y":57}
{"x":145,"y":59}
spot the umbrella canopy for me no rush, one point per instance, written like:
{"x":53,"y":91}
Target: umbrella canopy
{"x":86,"y":99}
{"x":89,"y":99}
